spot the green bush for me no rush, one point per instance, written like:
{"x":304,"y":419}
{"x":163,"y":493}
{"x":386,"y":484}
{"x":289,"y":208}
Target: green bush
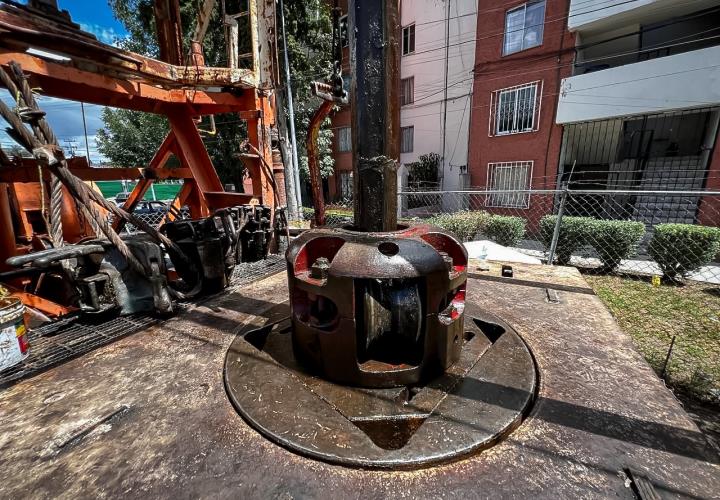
{"x":680,"y":249}
{"x":615,"y":240}
{"x":465,"y":224}
{"x":505,"y":230}
{"x":308,"y":213}
{"x":574,"y":233}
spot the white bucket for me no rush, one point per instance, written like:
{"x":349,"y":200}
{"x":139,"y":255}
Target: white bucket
{"x":14,"y":346}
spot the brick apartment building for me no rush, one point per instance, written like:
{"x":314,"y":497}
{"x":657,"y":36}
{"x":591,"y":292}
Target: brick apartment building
{"x":624,"y":91}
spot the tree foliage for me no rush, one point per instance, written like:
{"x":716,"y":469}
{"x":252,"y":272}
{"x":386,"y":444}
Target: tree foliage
{"x":425,"y":169}
{"x":130,"y":138}
{"x":309,"y":41}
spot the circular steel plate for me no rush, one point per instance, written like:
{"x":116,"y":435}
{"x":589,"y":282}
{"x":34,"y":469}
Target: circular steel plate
{"x":477,"y":402}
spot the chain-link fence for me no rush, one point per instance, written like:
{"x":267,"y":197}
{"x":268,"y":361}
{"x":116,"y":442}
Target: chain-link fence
{"x":153,"y":217}
{"x":651,"y":256}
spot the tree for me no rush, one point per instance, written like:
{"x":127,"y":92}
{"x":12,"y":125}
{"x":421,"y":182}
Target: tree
{"x":309,"y":40}
{"x":425,"y":169}
{"x":130,"y":138}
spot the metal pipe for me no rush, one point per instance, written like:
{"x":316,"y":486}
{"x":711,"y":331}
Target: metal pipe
{"x":556,"y":230}
{"x":314,"y":161}
{"x":375,"y":63}
{"x":7,"y":232}
{"x":291,"y":111}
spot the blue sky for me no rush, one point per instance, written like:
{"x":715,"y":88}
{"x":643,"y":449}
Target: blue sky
{"x":65,"y":117}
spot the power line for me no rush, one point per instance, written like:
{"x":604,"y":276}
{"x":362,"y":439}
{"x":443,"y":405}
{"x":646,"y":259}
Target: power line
{"x":553,"y":20}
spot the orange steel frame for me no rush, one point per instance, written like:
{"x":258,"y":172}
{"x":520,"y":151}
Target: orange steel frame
{"x":183,"y":91}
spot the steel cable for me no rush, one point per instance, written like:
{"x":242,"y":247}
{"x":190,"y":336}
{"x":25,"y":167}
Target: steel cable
{"x":52,"y":157}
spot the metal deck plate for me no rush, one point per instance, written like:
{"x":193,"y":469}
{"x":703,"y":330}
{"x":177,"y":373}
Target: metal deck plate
{"x":481,"y":399}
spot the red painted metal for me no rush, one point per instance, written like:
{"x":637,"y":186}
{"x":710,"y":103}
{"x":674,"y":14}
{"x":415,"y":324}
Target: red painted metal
{"x":314,"y":161}
{"x":100,"y":74}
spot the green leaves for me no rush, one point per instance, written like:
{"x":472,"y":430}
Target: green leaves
{"x":506,"y":230}
{"x":680,"y":249}
{"x":425,"y":169}
{"x":573,"y":235}
{"x":615,"y":240}
{"x":130,"y":138}
{"x":309,"y":40}
{"x":464,"y":224}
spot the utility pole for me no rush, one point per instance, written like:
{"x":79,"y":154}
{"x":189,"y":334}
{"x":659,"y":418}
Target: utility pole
{"x":294,"y":211}
{"x":291,"y":111}
{"x":87,"y":146}
{"x":445,"y":92}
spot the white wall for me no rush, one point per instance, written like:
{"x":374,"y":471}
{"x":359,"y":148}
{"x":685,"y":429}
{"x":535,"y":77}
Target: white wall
{"x":687,"y":80}
{"x":427,"y":66}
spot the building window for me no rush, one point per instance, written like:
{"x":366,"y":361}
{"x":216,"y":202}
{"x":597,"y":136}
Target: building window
{"x":346,"y":185}
{"x":344,"y":140}
{"x":407,"y":91}
{"x":344,"y":31}
{"x":524,"y":27}
{"x":507,"y":177}
{"x":515,"y":110}
{"x":407,"y":136}
{"x":408,"y":42}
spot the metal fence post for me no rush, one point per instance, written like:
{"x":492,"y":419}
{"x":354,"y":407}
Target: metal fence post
{"x":556,"y":231}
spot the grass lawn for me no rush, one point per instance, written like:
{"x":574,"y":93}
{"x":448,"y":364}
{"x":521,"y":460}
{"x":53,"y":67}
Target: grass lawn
{"x":653,"y":315}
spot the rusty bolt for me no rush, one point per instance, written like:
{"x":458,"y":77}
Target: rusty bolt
{"x":320,"y":268}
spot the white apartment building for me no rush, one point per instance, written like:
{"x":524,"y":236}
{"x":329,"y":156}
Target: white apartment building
{"x":438,"y":56}
{"x":643,"y":104}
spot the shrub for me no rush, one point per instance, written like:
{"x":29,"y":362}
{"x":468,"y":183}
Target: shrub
{"x":505,"y":230}
{"x":465,"y":224}
{"x":308,"y":213}
{"x":680,"y":249}
{"x":573,"y":235}
{"x":615,"y":240}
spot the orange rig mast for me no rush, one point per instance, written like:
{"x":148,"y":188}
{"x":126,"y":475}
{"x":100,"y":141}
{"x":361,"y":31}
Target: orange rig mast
{"x":60,"y":60}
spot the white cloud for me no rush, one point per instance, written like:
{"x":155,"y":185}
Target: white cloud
{"x":103,"y":33}
{"x":65,"y":118}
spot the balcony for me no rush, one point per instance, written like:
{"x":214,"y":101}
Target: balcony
{"x":607,"y":14}
{"x":680,"y":81}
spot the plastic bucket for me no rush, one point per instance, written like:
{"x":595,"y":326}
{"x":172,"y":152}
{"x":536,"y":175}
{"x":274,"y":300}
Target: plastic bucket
{"x":14,"y":347}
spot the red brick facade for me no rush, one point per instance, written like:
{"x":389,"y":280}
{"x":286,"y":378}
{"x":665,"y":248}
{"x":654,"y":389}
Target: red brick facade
{"x":547,"y":63}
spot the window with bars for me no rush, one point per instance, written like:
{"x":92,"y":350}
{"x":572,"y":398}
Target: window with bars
{"x":507,"y":177}
{"x":344,"y":36}
{"x":407,"y":91}
{"x":344,"y":139}
{"x":408,"y":40}
{"x":346,"y":185}
{"x":515,"y":110}
{"x":407,"y":136}
{"x":524,"y":27}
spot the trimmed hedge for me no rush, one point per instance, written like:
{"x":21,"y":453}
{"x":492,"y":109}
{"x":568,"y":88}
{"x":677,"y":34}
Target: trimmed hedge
{"x":680,"y":249}
{"x":464,"y":224}
{"x":574,"y":233}
{"x":506,"y":230}
{"x":330,"y":213}
{"x":615,"y":240}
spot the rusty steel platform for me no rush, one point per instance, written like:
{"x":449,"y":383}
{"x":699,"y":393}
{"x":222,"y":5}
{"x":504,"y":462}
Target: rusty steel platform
{"x":148,"y":416}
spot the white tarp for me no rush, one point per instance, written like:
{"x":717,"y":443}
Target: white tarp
{"x":490,"y":250}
